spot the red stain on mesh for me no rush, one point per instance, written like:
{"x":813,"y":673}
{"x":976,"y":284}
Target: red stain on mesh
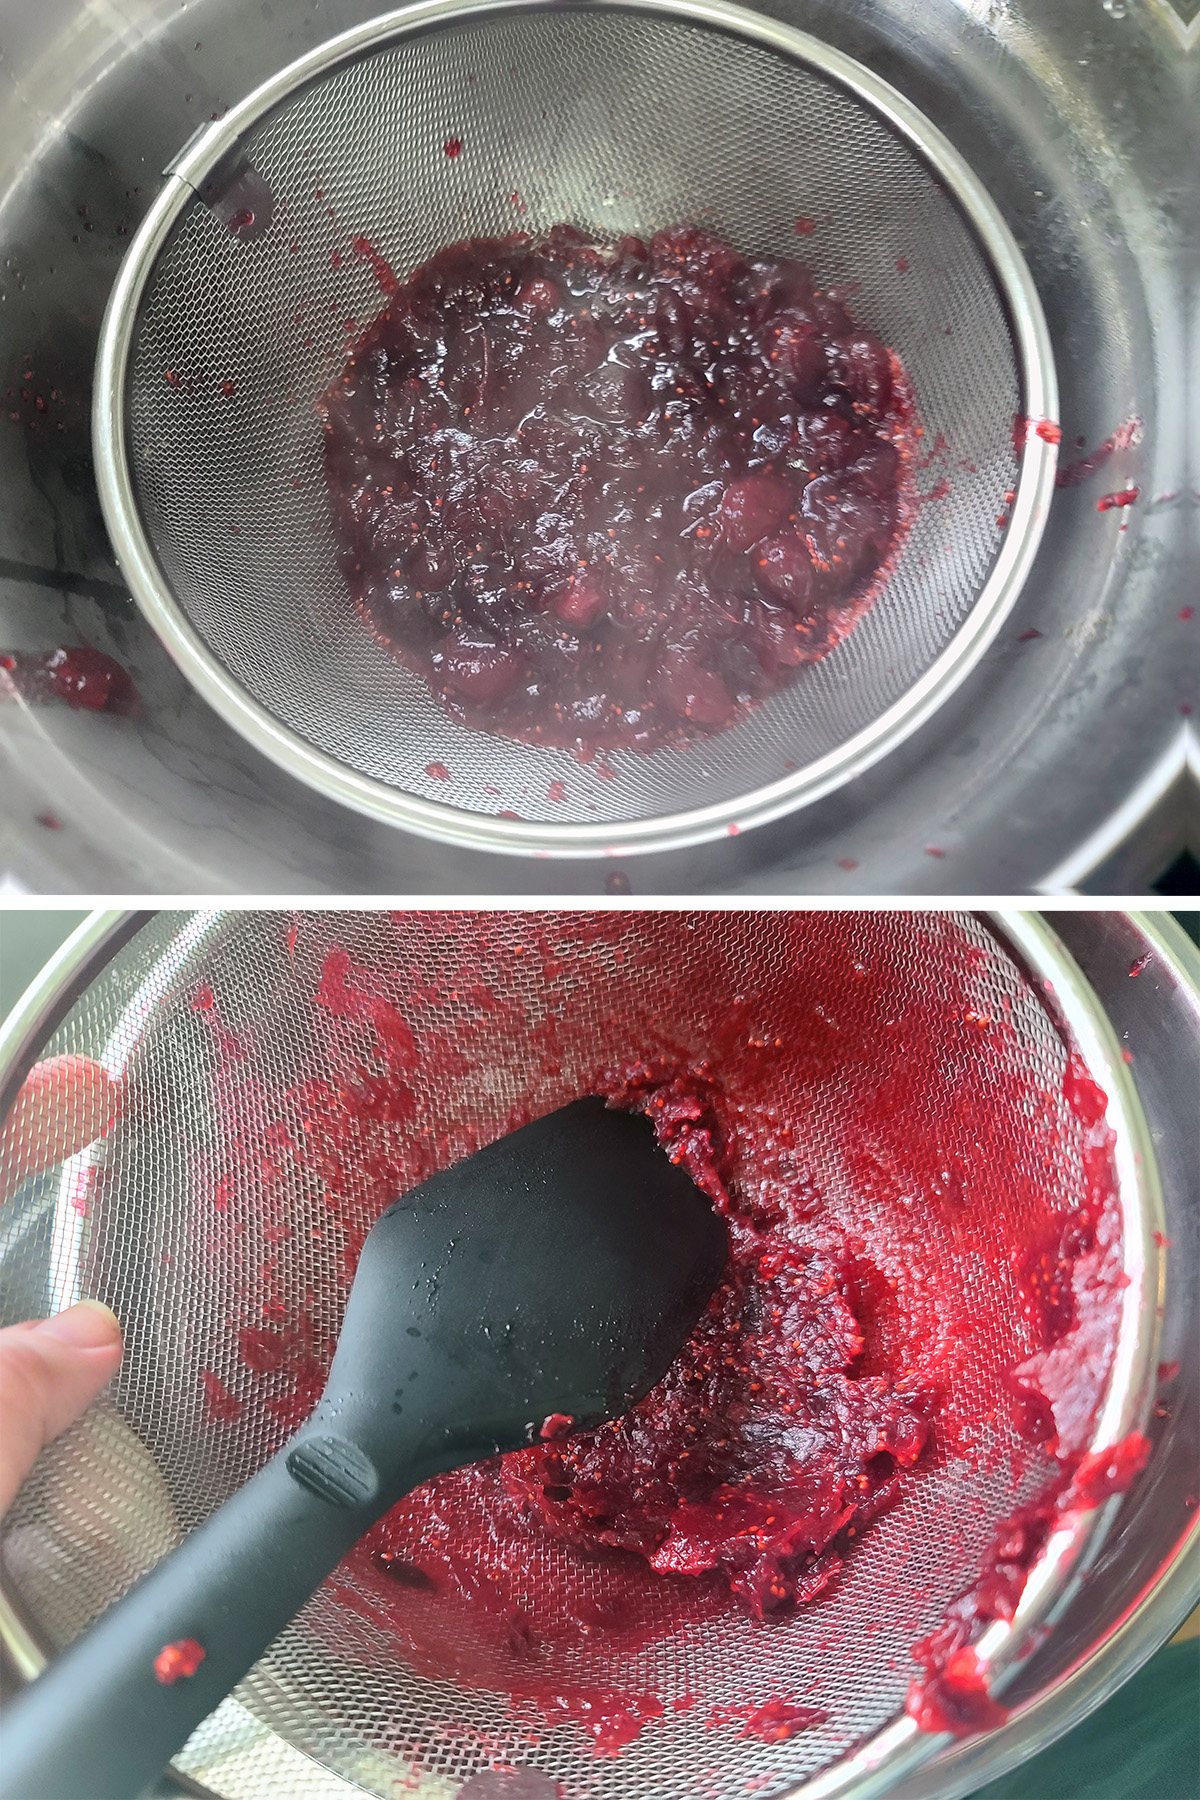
{"x":385,"y":275}
{"x":178,"y":1660}
{"x":219,"y":1403}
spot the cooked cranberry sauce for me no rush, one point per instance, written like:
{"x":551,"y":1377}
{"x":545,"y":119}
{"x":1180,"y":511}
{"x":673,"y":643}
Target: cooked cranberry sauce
{"x":604,"y":497}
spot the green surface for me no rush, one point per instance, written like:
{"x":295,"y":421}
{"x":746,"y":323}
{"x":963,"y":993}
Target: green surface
{"x":27,"y":940}
{"x":1143,"y":1744}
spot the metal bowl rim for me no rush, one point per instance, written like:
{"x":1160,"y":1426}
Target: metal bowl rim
{"x":669,"y":831}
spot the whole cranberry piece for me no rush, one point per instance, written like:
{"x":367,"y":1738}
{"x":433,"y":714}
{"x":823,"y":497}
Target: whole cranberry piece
{"x":691,"y":691}
{"x":539,"y":296}
{"x":783,"y":638}
{"x":478,"y":667}
{"x":842,"y":526}
{"x":798,"y":353}
{"x":860,"y":364}
{"x":751,"y":507}
{"x":580,"y":604}
{"x":876,"y":471}
{"x":825,"y":441}
{"x":785,"y":571}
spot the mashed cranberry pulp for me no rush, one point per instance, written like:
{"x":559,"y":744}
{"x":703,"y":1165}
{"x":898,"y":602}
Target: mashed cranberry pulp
{"x":751,"y":1460}
{"x":605,"y":497}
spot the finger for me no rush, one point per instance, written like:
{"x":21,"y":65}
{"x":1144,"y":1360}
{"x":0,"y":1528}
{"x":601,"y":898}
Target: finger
{"x":66,"y":1103}
{"x":50,"y":1372}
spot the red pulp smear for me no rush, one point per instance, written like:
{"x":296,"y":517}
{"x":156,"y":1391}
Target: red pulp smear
{"x":1071,"y":1282}
{"x":832,"y":1364}
{"x":178,"y":1660}
{"x":774,"y":1721}
{"x":612,"y":497}
{"x":1072,"y":473}
{"x":84,"y":679}
{"x":1124,"y":497}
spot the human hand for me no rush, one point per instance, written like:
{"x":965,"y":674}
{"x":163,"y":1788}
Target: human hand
{"x":52,"y":1369}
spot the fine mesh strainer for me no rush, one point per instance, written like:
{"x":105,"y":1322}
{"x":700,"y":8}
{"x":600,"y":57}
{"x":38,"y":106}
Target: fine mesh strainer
{"x":215,"y":1027}
{"x":229,"y":319}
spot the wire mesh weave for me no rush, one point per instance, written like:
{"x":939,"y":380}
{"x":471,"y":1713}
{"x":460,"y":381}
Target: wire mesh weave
{"x":615,"y":122}
{"x":214,"y":1026}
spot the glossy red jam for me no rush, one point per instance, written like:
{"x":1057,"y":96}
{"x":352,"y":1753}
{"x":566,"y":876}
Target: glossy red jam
{"x":84,"y":679}
{"x":605,"y":497}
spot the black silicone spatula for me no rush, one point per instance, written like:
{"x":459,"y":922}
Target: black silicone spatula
{"x":558,"y":1271}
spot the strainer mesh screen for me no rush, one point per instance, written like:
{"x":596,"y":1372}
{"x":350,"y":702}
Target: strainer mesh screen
{"x":616,"y":123}
{"x":207,"y":1189}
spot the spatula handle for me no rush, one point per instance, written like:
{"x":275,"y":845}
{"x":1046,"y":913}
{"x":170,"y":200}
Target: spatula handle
{"x":100,"y":1724}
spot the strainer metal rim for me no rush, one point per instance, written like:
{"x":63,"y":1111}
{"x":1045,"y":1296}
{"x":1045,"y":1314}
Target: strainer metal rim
{"x":378,"y":800}
{"x":898,"y":1748}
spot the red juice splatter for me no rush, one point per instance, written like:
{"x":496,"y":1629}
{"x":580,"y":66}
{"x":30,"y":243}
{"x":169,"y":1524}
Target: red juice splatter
{"x":557,"y":791}
{"x":453,"y":147}
{"x":1140,"y":963}
{"x":84,"y":679}
{"x":902,"y":265}
{"x":385,"y":275}
{"x":805,"y":226}
{"x":1187,"y":613}
{"x":1072,"y":473}
{"x":176,"y":1661}
{"x":555,"y":1426}
{"x":774,"y":1720}
{"x":612,"y":1719}
{"x":1167,"y":1371}
{"x":202,"y":999}
{"x":437,"y":771}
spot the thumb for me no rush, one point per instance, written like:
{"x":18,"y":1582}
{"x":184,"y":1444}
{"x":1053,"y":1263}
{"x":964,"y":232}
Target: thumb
{"x":50,"y":1370}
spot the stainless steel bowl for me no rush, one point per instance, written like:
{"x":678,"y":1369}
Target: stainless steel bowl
{"x":1079,"y":122}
